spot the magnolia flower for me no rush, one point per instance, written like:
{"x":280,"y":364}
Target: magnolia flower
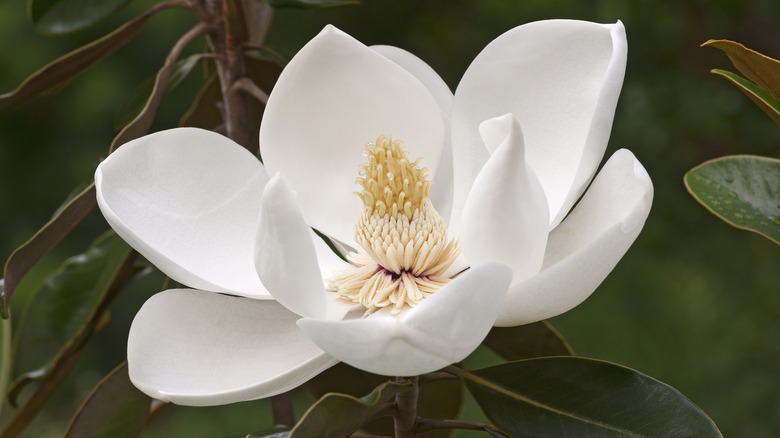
{"x":448,"y":214}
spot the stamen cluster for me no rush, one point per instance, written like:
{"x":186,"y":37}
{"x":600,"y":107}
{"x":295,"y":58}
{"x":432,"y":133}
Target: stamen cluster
{"x":404,"y":248}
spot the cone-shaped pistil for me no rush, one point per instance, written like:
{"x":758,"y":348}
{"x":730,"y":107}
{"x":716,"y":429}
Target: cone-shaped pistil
{"x":404,"y":249}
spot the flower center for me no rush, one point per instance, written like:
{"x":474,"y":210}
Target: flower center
{"x":404,"y":249}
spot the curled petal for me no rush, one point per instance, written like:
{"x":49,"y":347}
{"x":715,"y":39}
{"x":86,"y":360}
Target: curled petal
{"x":585,"y":248}
{"x":442,"y":329}
{"x":335,"y":96}
{"x":505,"y":218}
{"x":197,"y":348}
{"x":285,"y":256}
{"x":561,"y":78}
{"x":188,"y":200}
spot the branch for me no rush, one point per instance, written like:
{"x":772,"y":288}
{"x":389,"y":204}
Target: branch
{"x":248,"y":86}
{"x":406,"y":402}
{"x":427,"y":425}
{"x":435,"y":377}
{"x":141,"y":124}
{"x":282,"y":409}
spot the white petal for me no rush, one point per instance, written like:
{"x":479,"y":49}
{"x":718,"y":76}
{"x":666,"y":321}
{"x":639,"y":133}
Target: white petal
{"x":335,"y":96}
{"x":423,"y":72}
{"x":197,"y":348}
{"x":188,"y":200}
{"x":285,"y":257}
{"x":585,"y":248}
{"x":561,"y":78}
{"x":505,"y":218}
{"x":443,"y":329}
{"x":441,"y":190}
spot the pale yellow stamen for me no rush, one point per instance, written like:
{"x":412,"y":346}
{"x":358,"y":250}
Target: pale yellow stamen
{"x":404,"y":249}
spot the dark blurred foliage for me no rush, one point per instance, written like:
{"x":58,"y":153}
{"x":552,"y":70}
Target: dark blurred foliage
{"x":694,"y":303}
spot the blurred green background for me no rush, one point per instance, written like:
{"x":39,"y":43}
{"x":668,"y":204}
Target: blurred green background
{"x":694,"y":303}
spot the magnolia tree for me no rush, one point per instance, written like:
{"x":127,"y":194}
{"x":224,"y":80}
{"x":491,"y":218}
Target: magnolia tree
{"x":353,"y":228}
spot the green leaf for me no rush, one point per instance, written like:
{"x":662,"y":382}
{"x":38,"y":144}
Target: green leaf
{"x":573,"y":396}
{"x":65,"y":311}
{"x":140,"y":125}
{"x":5,"y":352}
{"x":539,"y":339}
{"x":135,"y":102}
{"x":26,"y":256}
{"x":60,"y":319}
{"x":338,"y":415}
{"x":114,"y":409}
{"x":743,"y":190}
{"x":759,"y":68}
{"x":65,"y":16}
{"x":278,"y":431}
{"x":204,"y":113}
{"x":57,"y":74}
{"x":768,"y":103}
{"x":439,"y":399}
{"x":310,"y":4}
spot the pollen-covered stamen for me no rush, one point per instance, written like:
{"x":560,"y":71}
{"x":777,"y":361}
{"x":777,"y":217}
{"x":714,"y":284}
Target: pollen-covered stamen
{"x":404,"y":248}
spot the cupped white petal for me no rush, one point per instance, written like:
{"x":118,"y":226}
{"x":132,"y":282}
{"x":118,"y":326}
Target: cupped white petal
{"x":441,"y":190}
{"x":188,"y":200}
{"x":285,"y":257}
{"x":198,"y":348}
{"x":423,"y":72}
{"x":442,"y":329}
{"x":505,"y":218}
{"x":335,"y":96}
{"x":561,"y":78}
{"x":585,"y":248}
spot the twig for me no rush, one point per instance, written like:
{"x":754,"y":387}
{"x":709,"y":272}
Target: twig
{"x":427,"y":425}
{"x":282,"y":409}
{"x":435,"y":377}
{"x":406,"y":402}
{"x":248,"y":86}
{"x":141,"y":124}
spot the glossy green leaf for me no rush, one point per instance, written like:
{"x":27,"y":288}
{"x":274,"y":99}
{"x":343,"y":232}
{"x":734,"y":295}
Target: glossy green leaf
{"x":338,"y":415}
{"x":274,"y":432}
{"x":65,"y":16}
{"x":538,"y":339}
{"x":578,"y":397}
{"x":204,"y":113}
{"x":5,"y":352}
{"x":26,"y":256}
{"x":759,"y":68}
{"x":768,"y":103}
{"x":140,"y":125}
{"x":743,"y":190}
{"x":438,"y":399}
{"x":54,"y":76}
{"x":135,"y":102}
{"x":310,"y":4}
{"x":114,"y":409}
{"x":63,"y":313}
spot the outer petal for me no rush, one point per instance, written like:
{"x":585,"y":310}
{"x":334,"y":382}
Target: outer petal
{"x":505,"y":218}
{"x":587,"y":245}
{"x":197,"y":348}
{"x":561,"y":78}
{"x":285,"y":257}
{"x":423,"y":72}
{"x":443,"y":329}
{"x":188,"y":200}
{"x":441,"y":191}
{"x":333,"y":97}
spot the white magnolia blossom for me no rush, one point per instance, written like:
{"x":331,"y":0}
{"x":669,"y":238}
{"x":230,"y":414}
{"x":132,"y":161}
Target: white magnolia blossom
{"x":491,"y":242}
